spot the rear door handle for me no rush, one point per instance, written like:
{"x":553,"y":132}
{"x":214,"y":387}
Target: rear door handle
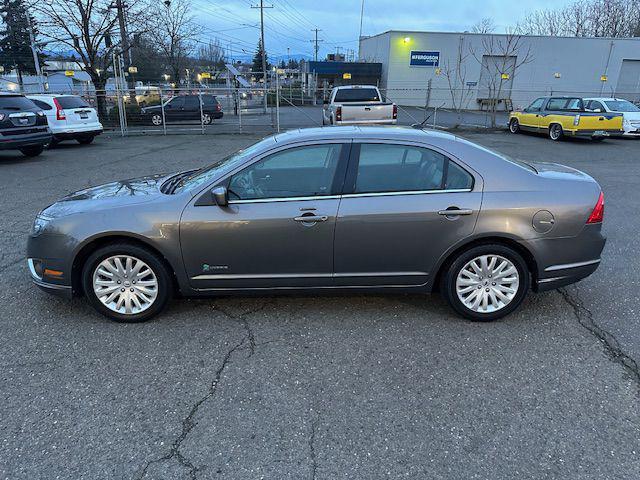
{"x":454,"y":212}
{"x":311,"y":218}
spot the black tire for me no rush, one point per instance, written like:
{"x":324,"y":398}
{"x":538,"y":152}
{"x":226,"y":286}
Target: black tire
{"x":165,"y":286}
{"x":448,"y":281}
{"x":597,"y":139}
{"x":32,"y":151}
{"x":85,"y":140}
{"x":555,"y":132}
{"x":54,"y":142}
{"x":514,"y":126}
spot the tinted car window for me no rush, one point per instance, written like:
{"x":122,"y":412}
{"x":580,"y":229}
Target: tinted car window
{"x":296,"y":172}
{"x":191,"y":103}
{"x":398,"y":168}
{"x":42,"y":105}
{"x":72,"y":102}
{"x":209,"y":100}
{"x":176,"y":102}
{"x":457,"y":178}
{"x":572,"y":104}
{"x":357,"y":95}
{"x":16,"y":102}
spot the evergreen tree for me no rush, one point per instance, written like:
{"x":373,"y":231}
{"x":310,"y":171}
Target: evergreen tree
{"x":15,"y":45}
{"x":256,"y":66}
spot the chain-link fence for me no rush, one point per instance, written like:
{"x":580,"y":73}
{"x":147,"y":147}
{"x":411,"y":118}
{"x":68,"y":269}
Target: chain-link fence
{"x":162,"y":110}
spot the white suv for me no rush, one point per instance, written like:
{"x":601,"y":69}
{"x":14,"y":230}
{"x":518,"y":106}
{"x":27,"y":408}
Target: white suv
{"x":70,"y":117}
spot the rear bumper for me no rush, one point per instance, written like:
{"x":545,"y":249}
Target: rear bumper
{"x":366,"y":122}
{"x":72,"y":134}
{"x":14,"y":142}
{"x":563,"y":261}
{"x":594,"y":133}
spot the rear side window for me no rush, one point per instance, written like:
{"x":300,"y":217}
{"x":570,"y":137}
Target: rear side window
{"x":72,"y":102}
{"x":386,"y":168}
{"x":357,"y":95}
{"x":209,"y":100}
{"x":16,"y":102}
{"x":42,"y":105}
{"x":191,"y":102}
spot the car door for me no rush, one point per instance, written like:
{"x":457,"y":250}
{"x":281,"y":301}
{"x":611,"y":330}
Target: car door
{"x":403,"y":207}
{"x":191,"y":110}
{"x":530,"y":118}
{"x":173,"y":109}
{"x":277,"y":230}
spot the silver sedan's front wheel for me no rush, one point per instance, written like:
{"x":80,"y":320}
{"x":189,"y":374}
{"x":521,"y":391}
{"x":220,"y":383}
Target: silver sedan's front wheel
{"x":487,"y":283}
{"x":125,"y":284}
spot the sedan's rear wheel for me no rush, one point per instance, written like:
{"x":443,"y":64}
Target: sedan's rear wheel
{"x":555,"y":132}
{"x":126,"y":283}
{"x":486,"y":282}
{"x":514,"y":125}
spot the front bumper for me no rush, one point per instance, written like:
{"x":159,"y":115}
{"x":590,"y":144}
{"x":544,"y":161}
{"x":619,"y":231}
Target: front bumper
{"x":15,"y":142}
{"x":58,"y":289}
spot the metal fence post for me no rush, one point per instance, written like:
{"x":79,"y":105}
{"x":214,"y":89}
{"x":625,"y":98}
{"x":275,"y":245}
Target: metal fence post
{"x":201,"y":111}
{"x":240,"y":114}
{"x":164,"y":122}
{"x":277,"y":103}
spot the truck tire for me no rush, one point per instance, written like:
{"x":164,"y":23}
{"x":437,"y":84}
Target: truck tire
{"x":555,"y":132}
{"x":32,"y":151}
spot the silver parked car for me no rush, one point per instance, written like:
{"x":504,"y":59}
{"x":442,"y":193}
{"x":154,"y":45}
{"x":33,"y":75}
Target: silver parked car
{"x":367,"y":208}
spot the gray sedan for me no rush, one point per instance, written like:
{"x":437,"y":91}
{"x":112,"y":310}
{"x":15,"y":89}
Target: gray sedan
{"x":367,"y":209}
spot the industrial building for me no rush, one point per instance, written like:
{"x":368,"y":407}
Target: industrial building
{"x":476,"y":71}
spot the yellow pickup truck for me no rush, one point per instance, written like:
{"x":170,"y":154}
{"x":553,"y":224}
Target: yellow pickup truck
{"x":565,"y":116}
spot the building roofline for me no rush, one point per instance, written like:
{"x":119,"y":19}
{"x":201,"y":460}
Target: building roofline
{"x":497,"y":35}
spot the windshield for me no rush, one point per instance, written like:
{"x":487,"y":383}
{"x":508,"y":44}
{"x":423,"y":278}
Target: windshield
{"x":357,"y":95}
{"x":208,"y":173}
{"x":621,"y":106}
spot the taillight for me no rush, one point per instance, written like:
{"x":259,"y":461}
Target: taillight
{"x":395,"y":111}
{"x":338,"y":114}
{"x":60,"y":115}
{"x":597,"y":216}
{"x":218,"y":107}
{"x":1,"y":117}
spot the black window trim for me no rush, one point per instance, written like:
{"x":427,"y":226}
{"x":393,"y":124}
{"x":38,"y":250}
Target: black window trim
{"x":354,"y":162}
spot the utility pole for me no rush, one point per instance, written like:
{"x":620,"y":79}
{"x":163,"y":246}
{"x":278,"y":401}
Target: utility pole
{"x":361,"y":17}
{"x":120,"y":6}
{"x":316,"y":48}
{"x":264,"y":50}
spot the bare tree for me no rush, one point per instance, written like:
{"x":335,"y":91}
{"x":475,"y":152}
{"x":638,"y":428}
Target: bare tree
{"x":500,"y":59}
{"x":586,"y":18}
{"x":456,"y":74}
{"x":486,"y":25}
{"x":86,"y":26}
{"x":212,"y":55}
{"x":175,"y":34}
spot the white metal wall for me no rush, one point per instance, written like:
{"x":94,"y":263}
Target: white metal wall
{"x":580,"y":62}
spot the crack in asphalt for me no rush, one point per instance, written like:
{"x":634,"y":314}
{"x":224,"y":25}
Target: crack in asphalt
{"x":188,"y":423}
{"x":609,"y":341}
{"x":312,"y":448}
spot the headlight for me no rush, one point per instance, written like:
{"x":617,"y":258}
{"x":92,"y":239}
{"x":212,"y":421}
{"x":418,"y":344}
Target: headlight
{"x":626,"y":122}
{"x":40,"y":224}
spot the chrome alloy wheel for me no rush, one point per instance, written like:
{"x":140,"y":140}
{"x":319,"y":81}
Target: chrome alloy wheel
{"x":125,"y":284}
{"x":156,"y":119}
{"x":487,"y":283}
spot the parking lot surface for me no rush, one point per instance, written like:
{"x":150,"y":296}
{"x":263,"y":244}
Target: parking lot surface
{"x":318,"y":387}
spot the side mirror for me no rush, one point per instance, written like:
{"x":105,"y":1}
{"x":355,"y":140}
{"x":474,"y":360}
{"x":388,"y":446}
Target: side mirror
{"x":220,"y":196}
{"x":597,"y":110}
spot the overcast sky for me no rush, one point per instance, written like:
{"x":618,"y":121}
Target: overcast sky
{"x":289,"y":23}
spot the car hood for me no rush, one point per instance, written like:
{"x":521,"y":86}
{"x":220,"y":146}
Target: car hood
{"x":114,"y":194}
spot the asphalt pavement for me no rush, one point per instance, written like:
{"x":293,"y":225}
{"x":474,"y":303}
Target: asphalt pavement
{"x":318,"y":387}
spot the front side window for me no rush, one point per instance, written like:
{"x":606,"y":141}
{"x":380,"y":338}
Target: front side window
{"x":176,"y":102}
{"x":307,"y":171}
{"x":191,"y":103}
{"x":536,"y":105}
{"x":398,"y":168}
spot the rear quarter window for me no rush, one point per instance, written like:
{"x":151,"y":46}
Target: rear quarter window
{"x":42,"y":105}
{"x":72,"y":102}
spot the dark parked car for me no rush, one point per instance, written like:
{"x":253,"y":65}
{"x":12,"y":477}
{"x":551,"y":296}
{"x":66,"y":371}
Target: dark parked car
{"x":185,"y":107}
{"x":23,"y":125}
{"x":366,"y":208}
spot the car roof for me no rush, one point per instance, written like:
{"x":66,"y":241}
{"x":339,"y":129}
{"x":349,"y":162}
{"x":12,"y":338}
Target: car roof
{"x":361,"y":132}
{"x":346,"y":87}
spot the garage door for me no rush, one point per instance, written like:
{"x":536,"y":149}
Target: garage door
{"x":629,"y":81}
{"x":491,"y":83}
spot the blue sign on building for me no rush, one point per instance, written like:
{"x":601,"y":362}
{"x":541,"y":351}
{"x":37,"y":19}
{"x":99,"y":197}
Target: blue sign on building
{"x":424,"y":59}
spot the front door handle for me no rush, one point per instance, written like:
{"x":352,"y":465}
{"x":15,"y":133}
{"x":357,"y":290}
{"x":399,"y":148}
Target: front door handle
{"x":454,"y":212}
{"x":311,"y":218}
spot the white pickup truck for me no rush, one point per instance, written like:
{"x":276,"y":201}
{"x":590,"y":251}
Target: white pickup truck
{"x":358,"y":105}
